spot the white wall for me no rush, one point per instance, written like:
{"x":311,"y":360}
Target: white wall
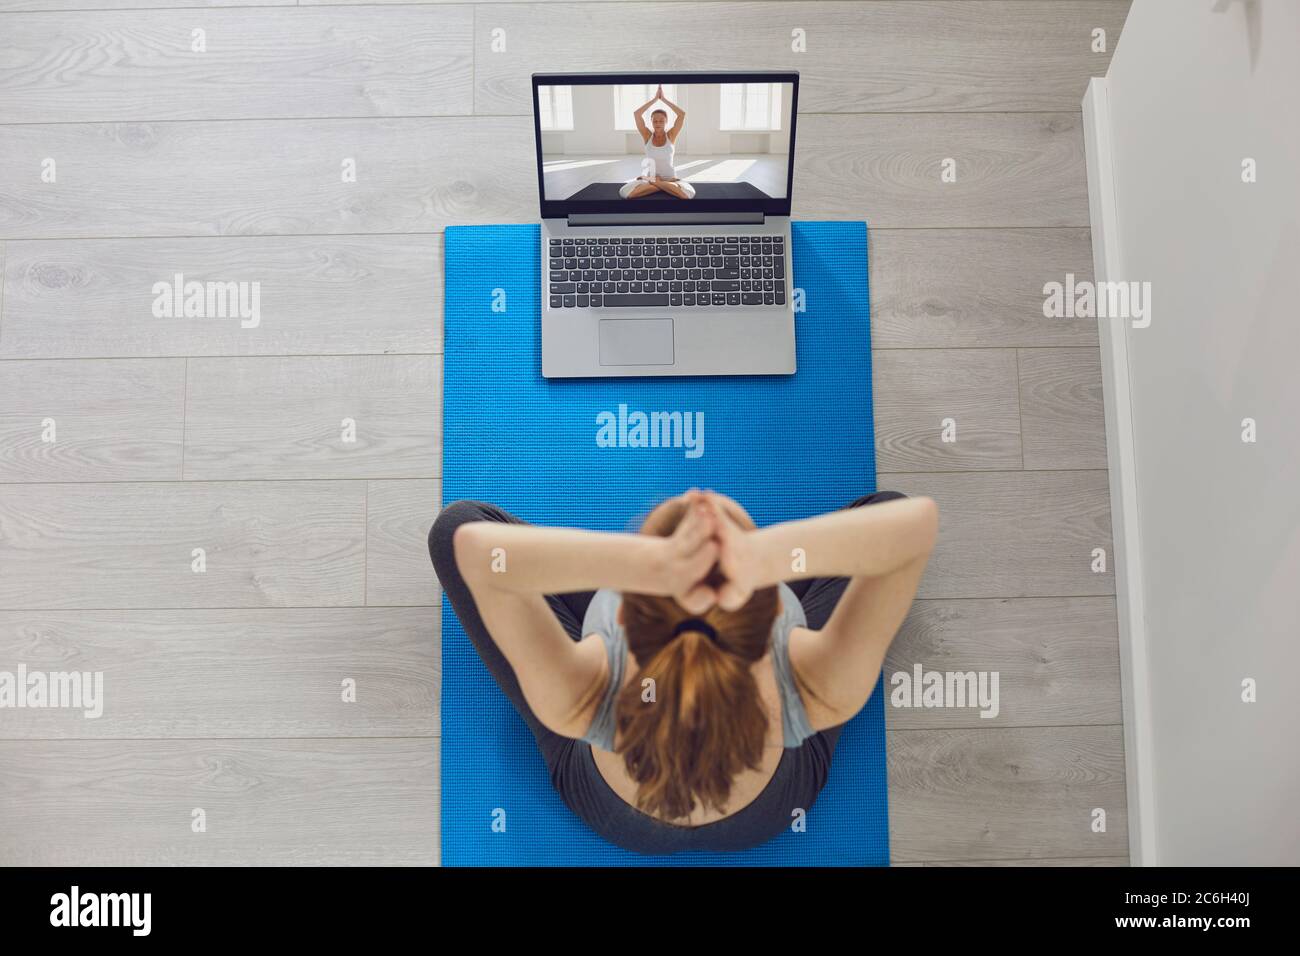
{"x":1191,"y":92}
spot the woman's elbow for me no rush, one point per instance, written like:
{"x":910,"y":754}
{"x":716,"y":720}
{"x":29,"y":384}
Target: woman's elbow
{"x":468,"y":547}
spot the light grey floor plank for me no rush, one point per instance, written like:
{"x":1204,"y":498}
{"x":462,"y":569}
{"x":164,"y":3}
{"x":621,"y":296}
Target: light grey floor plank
{"x":41,"y":5}
{"x":1012,"y":169}
{"x":232,"y":673}
{"x":1061,"y":398}
{"x":321,"y":3}
{"x":316,"y":295}
{"x":125,"y":545}
{"x":1015,"y":534}
{"x":1057,"y":660}
{"x":1013,"y":793}
{"x":265,"y":177}
{"x":399,"y":515}
{"x":931,"y":55}
{"x":1064,"y":862}
{"x":979,"y":288}
{"x":318,"y":3}
{"x":117,"y":420}
{"x":88,"y":66}
{"x":419,"y":175}
{"x":277,"y":417}
{"x":283,"y":802}
{"x":28,"y":6}
{"x":924,"y":397}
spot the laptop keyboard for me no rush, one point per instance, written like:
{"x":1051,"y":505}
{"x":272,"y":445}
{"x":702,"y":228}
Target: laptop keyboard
{"x":686,"y":271}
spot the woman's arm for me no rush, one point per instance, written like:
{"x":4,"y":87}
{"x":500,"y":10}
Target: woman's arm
{"x":857,"y":542}
{"x":882,"y":548}
{"x":532,"y":559}
{"x":679,"y":122}
{"x":640,"y":121}
{"x":508,"y":569}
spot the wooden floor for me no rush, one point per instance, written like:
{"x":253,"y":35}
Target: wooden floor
{"x":224,"y":687}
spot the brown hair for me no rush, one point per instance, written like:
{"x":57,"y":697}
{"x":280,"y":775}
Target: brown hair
{"x":653,"y":112}
{"x":706,"y":721}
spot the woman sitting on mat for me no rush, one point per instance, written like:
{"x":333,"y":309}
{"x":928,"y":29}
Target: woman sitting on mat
{"x":723,"y":720}
{"x":659,"y":175}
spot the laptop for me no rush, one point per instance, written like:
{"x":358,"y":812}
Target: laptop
{"x":665,"y":201}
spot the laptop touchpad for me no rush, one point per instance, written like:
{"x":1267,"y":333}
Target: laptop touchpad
{"x":636,"y":342}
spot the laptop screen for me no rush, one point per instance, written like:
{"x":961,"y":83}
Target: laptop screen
{"x":665,"y":142}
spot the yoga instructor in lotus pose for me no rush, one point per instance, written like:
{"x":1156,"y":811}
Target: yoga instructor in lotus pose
{"x":659,"y":174}
{"x":683,"y":695}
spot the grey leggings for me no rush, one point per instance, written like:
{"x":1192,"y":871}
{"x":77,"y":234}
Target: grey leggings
{"x":799,"y":776}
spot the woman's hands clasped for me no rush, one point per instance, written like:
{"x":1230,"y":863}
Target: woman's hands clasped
{"x":707,"y":536}
{"x":689,"y":555}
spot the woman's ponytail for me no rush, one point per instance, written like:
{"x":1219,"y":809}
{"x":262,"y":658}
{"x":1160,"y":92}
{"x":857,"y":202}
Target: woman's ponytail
{"x":692,"y":718}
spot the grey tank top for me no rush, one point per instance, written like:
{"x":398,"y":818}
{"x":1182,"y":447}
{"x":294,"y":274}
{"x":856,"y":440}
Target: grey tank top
{"x":601,"y":618}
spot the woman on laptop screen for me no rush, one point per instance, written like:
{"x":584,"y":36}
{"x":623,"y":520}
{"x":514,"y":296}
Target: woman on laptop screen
{"x":658,"y":173}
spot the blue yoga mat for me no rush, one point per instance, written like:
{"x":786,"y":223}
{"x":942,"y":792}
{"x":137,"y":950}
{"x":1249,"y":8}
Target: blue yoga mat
{"x":785,"y":447}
